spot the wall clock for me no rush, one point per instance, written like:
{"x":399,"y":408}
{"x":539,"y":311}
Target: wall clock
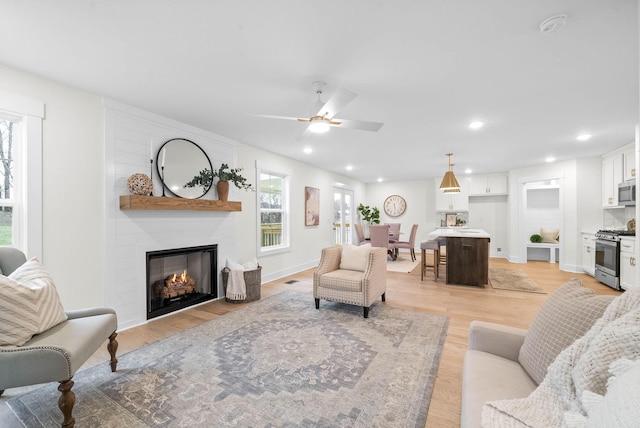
{"x":395,"y":206}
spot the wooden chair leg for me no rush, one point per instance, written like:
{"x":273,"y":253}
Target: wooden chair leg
{"x":112,"y":347}
{"x":317,"y":303}
{"x":65,"y":403}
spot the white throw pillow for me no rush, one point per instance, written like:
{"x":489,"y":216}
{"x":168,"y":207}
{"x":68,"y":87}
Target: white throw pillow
{"x":568,"y":314}
{"x":29,"y":304}
{"x":355,"y":257}
{"x":614,"y":409}
{"x":550,"y":236}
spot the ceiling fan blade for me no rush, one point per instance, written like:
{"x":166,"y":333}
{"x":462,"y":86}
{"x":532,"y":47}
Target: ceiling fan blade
{"x":340,"y":98}
{"x":359,"y":124}
{"x":268,"y":116}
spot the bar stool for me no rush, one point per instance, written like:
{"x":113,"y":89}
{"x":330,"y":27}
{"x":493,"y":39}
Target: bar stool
{"x":434,"y":246}
{"x":442,"y":244}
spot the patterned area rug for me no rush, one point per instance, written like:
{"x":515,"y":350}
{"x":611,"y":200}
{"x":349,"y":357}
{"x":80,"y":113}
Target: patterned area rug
{"x":277,"y":362}
{"x":513,"y":279}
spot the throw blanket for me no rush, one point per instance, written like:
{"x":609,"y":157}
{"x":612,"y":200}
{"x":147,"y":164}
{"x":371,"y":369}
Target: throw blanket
{"x":583,"y":366}
{"x":236,"y":287}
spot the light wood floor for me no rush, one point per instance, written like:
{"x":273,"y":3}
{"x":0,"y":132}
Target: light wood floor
{"x":461,"y":304}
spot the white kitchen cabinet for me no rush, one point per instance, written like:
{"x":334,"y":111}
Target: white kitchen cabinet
{"x":453,"y":202}
{"x":629,"y":159}
{"x":627,"y":262}
{"x":611,"y":177}
{"x":487,"y":184}
{"x":589,"y":253}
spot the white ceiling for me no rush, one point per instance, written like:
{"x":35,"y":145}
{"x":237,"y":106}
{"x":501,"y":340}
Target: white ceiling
{"x":425,"y":68}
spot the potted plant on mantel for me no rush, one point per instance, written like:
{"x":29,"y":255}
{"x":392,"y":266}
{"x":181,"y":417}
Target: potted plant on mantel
{"x":224,"y":175}
{"x":369,"y":216}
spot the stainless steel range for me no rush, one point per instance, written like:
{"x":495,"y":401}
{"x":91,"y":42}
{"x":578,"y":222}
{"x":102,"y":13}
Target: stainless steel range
{"x":608,"y":256}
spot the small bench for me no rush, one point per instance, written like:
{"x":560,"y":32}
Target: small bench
{"x":551,"y":247}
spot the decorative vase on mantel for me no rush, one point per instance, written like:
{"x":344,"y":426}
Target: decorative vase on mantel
{"x":223,"y":190}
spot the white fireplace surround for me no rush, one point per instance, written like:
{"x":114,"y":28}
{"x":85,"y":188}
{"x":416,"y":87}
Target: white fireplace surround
{"x":130,"y":234}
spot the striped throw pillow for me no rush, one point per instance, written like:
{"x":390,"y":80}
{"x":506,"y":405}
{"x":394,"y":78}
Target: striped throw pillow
{"x":29,"y":304}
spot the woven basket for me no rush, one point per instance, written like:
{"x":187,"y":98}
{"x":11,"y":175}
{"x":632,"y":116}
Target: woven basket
{"x":252,"y":280}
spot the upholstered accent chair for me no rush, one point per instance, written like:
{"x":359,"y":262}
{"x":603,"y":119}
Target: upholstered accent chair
{"x":57,"y":353}
{"x":410,"y":244}
{"x":352,"y":275}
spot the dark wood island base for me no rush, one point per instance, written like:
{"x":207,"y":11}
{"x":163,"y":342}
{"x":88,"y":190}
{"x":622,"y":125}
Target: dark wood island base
{"x":468,"y":261}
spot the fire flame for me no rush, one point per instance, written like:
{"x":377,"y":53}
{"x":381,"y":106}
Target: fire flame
{"x":183,"y":278}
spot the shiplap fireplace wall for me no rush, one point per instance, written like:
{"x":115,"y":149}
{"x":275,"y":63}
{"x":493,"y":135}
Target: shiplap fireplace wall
{"x":129,"y":133}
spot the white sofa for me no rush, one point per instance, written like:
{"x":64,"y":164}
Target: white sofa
{"x":491,"y":369}
{"x":570,"y":368}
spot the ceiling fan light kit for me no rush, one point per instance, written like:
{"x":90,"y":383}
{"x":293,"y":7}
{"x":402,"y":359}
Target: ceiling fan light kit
{"x":449,"y":182}
{"x":319,"y":125}
{"x":322,"y":114}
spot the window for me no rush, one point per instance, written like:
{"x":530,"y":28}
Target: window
{"x":9,"y":226}
{"x":21,"y":173}
{"x":274,"y":219}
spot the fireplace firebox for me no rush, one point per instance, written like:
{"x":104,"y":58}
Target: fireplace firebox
{"x":180,"y":277}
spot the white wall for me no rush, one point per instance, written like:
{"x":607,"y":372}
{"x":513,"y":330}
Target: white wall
{"x":306,"y":241}
{"x":491,"y":213}
{"x":73,"y":183}
{"x":420,"y":198}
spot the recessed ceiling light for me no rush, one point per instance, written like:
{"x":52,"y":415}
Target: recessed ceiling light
{"x":349,"y":167}
{"x":308,"y":150}
{"x":476,"y":124}
{"x":468,"y":171}
{"x":583,"y":137}
{"x":380,"y":180}
{"x":553,"y":24}
{"x":550,"y":159}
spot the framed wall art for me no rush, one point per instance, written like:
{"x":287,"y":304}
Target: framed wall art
{"x":311,"y":206}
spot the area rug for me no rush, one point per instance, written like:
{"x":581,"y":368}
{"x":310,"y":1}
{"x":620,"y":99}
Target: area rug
{"x":513,"y":279}
{"x":278,"y":362}
{"x":402,"y":264}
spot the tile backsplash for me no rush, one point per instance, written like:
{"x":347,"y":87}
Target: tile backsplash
{"x":617,"y":218}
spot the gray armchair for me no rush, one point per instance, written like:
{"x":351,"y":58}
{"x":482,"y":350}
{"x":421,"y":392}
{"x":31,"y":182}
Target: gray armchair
{"x":56,"y":354}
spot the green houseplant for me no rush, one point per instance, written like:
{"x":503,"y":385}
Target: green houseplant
{"x":368,"y":214}
{"x":224,"y":175}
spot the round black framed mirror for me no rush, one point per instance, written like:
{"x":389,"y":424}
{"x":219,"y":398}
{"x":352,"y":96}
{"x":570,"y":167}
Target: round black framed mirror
{"x":184,"y":168}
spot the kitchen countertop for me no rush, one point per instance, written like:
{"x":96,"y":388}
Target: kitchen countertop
{"x":458,"y":232}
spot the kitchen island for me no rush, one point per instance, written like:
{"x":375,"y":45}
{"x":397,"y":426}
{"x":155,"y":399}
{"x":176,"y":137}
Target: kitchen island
{"x":467,"y":255}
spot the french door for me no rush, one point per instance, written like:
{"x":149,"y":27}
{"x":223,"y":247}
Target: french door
{"x":342,"y":215}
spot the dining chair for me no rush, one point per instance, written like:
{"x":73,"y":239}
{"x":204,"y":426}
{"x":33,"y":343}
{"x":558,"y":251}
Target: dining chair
{"x":394,"y":232}
{"x":410,"y":244}
{"x":360,"y":235}
{"x":380,"y":238}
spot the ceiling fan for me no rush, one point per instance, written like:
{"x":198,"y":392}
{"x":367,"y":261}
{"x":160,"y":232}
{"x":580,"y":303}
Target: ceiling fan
{"x":323,"y":114}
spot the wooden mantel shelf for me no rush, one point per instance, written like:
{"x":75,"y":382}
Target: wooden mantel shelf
{"x":138,"y":202}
